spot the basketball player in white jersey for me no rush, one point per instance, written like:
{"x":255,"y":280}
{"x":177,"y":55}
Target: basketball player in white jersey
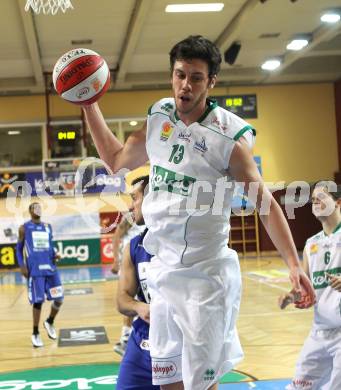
{"x":196,"y":150}
{"x":319,"y":364}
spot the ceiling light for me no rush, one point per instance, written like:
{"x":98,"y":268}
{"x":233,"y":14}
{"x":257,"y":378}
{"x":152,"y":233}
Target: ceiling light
{"x":201,"y":7}
{"x":297,"y":44}
{"x":13,"y":132}
{"x":271,"y":64}
{"x":330,"y":17}
{"x":133,"y":123}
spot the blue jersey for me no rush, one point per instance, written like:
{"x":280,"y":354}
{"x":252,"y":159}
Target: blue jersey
{"x":38,"y":250}
{"x":136,"y":366}
{"x":140,"y":259}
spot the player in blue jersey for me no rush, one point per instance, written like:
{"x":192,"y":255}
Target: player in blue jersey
{"x":37,"y":261}
{"x":133,"y":300}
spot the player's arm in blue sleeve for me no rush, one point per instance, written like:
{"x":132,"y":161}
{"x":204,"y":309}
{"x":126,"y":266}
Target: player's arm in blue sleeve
{"x":127,"y":289}
{"x":20,"y":250}
{"x":55,"y":256}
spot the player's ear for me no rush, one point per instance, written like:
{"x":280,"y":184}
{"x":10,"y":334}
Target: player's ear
{"x":212,"y":81}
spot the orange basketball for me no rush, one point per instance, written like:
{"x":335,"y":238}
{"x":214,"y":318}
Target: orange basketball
{"x":81,"y":76}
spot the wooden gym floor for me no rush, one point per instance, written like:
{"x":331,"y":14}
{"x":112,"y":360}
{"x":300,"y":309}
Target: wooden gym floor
{"x":271,"y":338}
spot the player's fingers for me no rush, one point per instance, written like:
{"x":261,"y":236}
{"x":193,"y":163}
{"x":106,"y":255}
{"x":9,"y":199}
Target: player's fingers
{"x":283,"y":301}
{"x":308,"y":289}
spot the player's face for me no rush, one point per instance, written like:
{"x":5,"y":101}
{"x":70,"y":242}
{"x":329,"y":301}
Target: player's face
{"x":190,"y":82}
{"x":323,"y":204}
{"x":35,"y":210}
{"x":137,"y":198}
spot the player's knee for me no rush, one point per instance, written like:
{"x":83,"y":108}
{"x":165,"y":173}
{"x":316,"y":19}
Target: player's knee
{"x":57,"y":304}
{"x":37,"y":306}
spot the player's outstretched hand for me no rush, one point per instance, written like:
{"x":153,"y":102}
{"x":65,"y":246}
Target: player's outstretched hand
{"x":302,"y":286}
{"x":334,"y":281}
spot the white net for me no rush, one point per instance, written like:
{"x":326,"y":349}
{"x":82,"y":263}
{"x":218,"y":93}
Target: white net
{"x":48,"y":7}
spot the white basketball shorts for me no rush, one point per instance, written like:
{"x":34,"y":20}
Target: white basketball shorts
{"x":193,"y":312}
{"x":319,"y":363}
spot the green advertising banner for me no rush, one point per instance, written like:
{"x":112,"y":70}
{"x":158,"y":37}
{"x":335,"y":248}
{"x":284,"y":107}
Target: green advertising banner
{"x":78,"y":252}
{"x":79,"y":377}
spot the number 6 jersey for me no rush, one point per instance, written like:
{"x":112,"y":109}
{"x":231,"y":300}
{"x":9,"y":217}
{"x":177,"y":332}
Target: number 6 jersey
{"x":324,"y":256}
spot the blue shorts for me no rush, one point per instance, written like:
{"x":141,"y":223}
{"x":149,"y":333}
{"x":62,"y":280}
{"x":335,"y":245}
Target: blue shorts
{"x":41,"y":286}
{"x":136,"y":366}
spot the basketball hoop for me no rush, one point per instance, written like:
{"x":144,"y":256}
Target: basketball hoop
{"x":48,"y":7}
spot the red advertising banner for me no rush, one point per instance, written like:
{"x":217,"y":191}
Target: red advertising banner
{"x":107,"y":255}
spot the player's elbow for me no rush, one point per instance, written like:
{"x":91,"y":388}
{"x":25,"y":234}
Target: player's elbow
{"x":120,"y":304}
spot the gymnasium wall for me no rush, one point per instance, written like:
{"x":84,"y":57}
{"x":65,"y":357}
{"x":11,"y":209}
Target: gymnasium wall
{"x":296,"y":124}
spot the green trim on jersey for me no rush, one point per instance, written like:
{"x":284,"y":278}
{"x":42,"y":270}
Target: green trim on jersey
{"x":338,"y":227}
{"x":215,"y":131}
{"x":162,"y":113}
{"x":244,"y":130}
{"x":212,"y":104}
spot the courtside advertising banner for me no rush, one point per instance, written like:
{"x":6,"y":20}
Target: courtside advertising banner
{"x":78,"y":252}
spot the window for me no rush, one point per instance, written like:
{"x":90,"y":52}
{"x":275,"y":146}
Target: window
{"x":20,"y":146}
{"x":129,"y":126}
{"x":91,"y":150}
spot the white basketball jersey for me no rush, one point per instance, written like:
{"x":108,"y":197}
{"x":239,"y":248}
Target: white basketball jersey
{"x":324,"y":255}
{"x":188,"y":206}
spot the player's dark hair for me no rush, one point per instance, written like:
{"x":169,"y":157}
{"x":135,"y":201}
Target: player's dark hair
{"x":197,"y":47}
{"x":30,"y":207}
{"x":332,"y":188}
{"x":142,"y":180}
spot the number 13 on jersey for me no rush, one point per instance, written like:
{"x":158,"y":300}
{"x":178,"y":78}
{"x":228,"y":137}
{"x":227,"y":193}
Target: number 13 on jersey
{"x":177,"y":154}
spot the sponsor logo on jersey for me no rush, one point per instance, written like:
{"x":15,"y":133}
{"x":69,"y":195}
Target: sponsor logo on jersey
{"x":185,"y":136}
{"x":167,"y":107}
{"x":167,"y":130}
{"x":166,"y":180}
{"x":56,"y":292}
{"x":216,"y":123}
{"x":145,"y":345}
{"x":201,"y":146}
{"x":45,"y":267}
{"x":314,"y":248}
{"x":302,"y":383}
{"x":209,"y":374}
{"x":320,"y":278}
{"x":165,"y":369}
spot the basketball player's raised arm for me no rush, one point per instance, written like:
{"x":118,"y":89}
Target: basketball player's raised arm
{"x":131,"y":155}
{"x":244,"y":169}
{"x":127,"y":290}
